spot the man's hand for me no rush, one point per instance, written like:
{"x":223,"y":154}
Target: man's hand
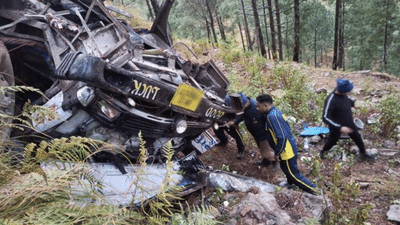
{"x":271,"y":156}
{"x":231,"y":123}
{"x":346,"y":130}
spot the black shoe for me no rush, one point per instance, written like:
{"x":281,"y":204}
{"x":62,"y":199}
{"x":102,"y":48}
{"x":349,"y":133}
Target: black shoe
{"x":275,"y":166}
{"x":240,"y":155}
{"x":263,"y":162}
{"x":321,"y":155}
{"x":366,"y":156}
{"x":221,"y":143}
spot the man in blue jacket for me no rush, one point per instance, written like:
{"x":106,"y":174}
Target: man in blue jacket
{"x":255,"y":124}
{"x":283,"y":143}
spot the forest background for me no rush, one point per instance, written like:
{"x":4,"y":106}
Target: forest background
{"x":342,"y":34}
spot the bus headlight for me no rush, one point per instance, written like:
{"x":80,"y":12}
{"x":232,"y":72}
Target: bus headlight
{"x":181,"y":126}
{"x":216,"y":126}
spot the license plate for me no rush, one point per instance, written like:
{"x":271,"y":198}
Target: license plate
{"x":204,"y":142}
{"x":187,"y":97}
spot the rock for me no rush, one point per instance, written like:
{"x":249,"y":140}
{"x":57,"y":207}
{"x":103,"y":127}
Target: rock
{"x":373,"y":118}
{"x":315,"y":139}
{"x":235,"y":182}
{"x":389,"y":144}
{"x":249,"y":221}
{"x":364,"y":185}
{"x":291,"y":119}
{"x":367,"y":143}
{"x":396,"y":163}
{"x":397,"y":129}
{"x":232,"y":221}
{"x":372,"y":151}
{"x":354,"y":149}
{"x":394,"y":213}
{"x":260,"y":208}
{"x":365,"y":72}
{"x":245,"y":210}
{"x":281,"y":179}
{"x":313,"y":205}
{"x":265,"y":208}
{"x":388,"y":152}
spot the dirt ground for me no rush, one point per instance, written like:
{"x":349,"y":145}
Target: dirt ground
{"x":382,"y":187}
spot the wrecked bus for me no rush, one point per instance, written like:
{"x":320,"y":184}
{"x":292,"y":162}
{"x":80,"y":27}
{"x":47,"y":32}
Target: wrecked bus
{"x":106,"y":80}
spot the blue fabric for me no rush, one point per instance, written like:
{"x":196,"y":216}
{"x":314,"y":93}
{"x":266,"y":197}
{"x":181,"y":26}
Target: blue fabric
{"x":282,"y":132}
{"x":228,"y":100}
{"x":254,"y":121}
{"x":243,"y":97}
{"x":344,"y":85}
{"x":293,"y":175}
{"x":312,"y":131}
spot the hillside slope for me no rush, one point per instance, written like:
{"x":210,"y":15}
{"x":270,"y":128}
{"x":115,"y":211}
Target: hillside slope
{"x":378,"y":181}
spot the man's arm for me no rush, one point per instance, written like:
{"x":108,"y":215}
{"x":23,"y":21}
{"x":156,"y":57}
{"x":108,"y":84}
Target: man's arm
{"x":327,"y":113}
{"x":239,"y":119}
{"x":275,"y":121}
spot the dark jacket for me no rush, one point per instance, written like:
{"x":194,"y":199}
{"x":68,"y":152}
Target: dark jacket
{"x":337,"y":111}
{"x":254,"y":121}
{"x":284,"y":143}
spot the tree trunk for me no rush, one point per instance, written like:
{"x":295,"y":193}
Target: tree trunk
{"x":271,"y":21}
{"x":286,"y":36}
{"x":296,"y":48}
{"x":322,"y":56}
{"x":336,"y":41}
{"x":155,"y":5}
{"x":315,"y":47}
{"x":219,"y":21}
{"x":386,"y":35}
{"x":258,"y":28}
{"x":278,"y":23}
{"x":241,"y":36}
{"x":208,"y":31}
{"x":266,"y":30}
{"x":341,"y":37}
{"x":211,"y":22}
{"x":150,"y":11}
{"x":342,"y":45}
{"x":246,"y":27}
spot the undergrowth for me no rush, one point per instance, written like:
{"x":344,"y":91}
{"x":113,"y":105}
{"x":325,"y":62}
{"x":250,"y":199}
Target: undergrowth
{"x":66,"y":192}
{"x":341,"y":194}
{"x":296,"y":96}
{"x":389,"y":117}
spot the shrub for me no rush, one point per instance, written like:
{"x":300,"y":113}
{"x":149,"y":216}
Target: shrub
{"x":297,"y":95}
{"x":390,"y":115}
